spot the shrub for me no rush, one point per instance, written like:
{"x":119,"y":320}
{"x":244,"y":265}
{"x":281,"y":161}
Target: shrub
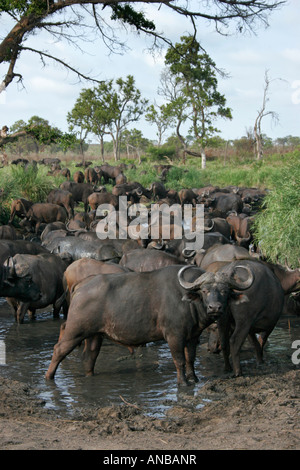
{"x":277,"y":226}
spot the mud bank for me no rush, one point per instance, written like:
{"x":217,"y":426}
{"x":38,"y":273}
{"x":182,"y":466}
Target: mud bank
{"x":257,"y":411}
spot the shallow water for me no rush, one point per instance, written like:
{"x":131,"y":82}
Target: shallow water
{"x":147,"y":378}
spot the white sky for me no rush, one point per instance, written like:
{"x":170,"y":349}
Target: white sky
{"x":50,"y":92}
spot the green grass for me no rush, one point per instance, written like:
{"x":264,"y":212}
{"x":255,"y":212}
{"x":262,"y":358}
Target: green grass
{"x":277,"y":226}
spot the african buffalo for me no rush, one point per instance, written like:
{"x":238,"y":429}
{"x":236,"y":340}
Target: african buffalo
{"x":91,"y":176}
{"x":47,"y":213}
{"x":221,"y":253}
{"x":109,"y":172}
{"x":134,"y":309}
{"x":221,"y":204}
{"x":62,"y":198}
{"x":78,"y":177}
{"x":77,"y":248}
{"x":256,"y":309}
{"x":46,"y":271}
{"x":52,"y":227}
{"x":12,"y":247}
{"x":8,"y":232}
{"x":19,"y":207}
{"x":79,"y":191}
{"x":147,"y":260}
{"x":187,"y":196}
{"x":97,"y":199}
{"x":23,"y":287}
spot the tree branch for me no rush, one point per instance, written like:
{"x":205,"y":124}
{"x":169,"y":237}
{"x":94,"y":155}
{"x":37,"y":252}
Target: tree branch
{"x":43,"y":54}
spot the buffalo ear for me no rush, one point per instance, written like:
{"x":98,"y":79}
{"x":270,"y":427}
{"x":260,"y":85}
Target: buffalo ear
{"x":239,"y":298}
{"x":189,"y":297}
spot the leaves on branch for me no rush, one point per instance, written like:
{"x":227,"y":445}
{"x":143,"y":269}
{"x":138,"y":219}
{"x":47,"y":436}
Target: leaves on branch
{"x":134,"y":18}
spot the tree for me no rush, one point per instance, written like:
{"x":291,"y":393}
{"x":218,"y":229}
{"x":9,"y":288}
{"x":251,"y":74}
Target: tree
{"x":195,"y":96}
{"x":121,"y":104}
{"x":66,"y":20}
{"x":160,"y":116}
{"x":261,"y":114}
{"x":80,"y":118}
{"x":134,"y":140}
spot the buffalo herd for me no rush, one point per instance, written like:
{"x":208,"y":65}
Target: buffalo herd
{"x":139,"y":290}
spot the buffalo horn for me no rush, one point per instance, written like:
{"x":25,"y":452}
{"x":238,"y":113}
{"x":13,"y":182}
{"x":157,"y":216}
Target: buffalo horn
{"x":208,"y":229}
{"x":241,"y":285}
{"x":186,"y":253}
{"x":192,"y":285}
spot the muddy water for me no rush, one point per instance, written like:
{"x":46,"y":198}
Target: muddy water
{"x":147,"y":379}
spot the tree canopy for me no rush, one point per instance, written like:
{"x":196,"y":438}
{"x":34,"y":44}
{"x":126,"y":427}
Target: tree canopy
{"x":66,"y":20}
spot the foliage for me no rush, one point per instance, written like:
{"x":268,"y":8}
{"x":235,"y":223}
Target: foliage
{"x":194,"y":95}
{"x":30,"y":183}
{"x":128,"y":15}
{"x":159,"y":153}
{"x":277,"y":227}
{"x":108,"y":109}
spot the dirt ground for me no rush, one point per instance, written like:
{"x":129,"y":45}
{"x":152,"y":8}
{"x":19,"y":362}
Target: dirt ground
{"x":258,"y":411}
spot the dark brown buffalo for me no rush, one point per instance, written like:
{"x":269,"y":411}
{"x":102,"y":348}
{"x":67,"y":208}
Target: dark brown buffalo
{"x":241,"y":229}
{"x":78,"y":177}
{"x":8,"y":232}
{"x":221,"y":204}
{"x":45,"y":271}
{"x":46,"y":213}
{"x":134,"y":309}
{"x":23,"y":287}
{"x":236,"y":297}
{"x":221,"y":253}
{"x":109,"y":173}
{"x":121,"y":179}
{"x":217,"y":224}
{"x":91,"y":176}
{"x":79,"y":191}
{"x":158,"y":190}
{"x":187,"y":196}
{"x":19,"y":207}
{"x":49,"y":161}
{"x":96,"y":199}
{"x":147,"y":260}
{"x":66,"y":173}
{"x":12,"y":247}
{"x":53,"y":226}
{"x":62,"y":198}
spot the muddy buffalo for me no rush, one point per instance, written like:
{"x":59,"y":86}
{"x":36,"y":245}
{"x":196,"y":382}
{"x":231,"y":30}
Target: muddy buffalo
{"x":246,"y":296}
{"x":133,"y":309}
{"x":46,"y":272}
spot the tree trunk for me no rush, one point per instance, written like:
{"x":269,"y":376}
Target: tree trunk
{"x":203,"y":159}
{"x":258,"y":140}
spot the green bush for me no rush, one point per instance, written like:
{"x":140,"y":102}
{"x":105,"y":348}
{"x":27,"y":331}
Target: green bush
{"x":277,"y":226}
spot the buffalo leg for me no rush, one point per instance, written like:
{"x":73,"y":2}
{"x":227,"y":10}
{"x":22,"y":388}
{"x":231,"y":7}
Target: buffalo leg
{"x":90,"y":353}
{"x":236,"y":340}
{"x":177,"y":351}
{"x":190,"y":354}
{"x":61,"y":350}
{"x":21,"y":310}
{"x":257,"y":347}
{"x":224,"y":333}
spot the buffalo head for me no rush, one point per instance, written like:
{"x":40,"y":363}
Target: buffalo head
{"x":215,"y":288}
{"x":20,"y":287}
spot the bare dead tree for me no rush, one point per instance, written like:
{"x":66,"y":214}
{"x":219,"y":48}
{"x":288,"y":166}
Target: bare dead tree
{"x":261,"y":114}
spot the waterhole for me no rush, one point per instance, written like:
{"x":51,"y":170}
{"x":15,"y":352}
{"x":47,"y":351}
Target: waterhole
{"x":147,"y":378}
